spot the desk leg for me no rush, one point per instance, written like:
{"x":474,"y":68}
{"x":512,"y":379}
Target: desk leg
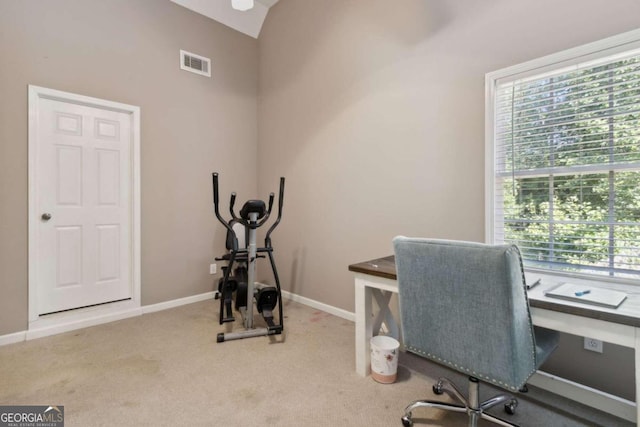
{"x":383,"y":298}
{"x":363,"y":328}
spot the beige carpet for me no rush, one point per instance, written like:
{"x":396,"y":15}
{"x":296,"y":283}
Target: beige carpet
{"x":166,"y":369}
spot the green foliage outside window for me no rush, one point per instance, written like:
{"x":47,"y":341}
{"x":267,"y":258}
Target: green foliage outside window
{"x":569,"y":168}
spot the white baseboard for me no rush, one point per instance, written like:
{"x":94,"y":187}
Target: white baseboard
{"x":12,"y":338}
{"x":347,"y":315}
{"x":93,"y":317}
{"x":176,"y":302}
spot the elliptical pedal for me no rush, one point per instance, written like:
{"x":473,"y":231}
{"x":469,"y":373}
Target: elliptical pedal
{"x":266,"y":299}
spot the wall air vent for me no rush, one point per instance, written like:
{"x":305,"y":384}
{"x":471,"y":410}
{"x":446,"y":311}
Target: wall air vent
{"x":195,"y":63}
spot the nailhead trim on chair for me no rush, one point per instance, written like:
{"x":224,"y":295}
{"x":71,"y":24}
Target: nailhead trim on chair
{"x":526,"y":297}
{"x":463,"y":369}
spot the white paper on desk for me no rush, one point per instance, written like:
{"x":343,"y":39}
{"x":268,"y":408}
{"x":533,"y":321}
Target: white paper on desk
{"x":596,"y":296}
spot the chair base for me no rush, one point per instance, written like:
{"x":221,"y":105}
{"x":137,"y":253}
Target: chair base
{"x":470,"y":405}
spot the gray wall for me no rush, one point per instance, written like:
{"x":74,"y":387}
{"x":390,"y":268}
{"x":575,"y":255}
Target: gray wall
{"x":374,"y":111}
{"x":128,"y":51}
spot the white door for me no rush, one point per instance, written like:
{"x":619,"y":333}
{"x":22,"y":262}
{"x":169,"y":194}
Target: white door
{"x":83,"y":205}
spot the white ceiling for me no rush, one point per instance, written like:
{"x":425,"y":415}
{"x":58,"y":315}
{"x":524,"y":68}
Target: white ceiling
{"x":248,"y":22}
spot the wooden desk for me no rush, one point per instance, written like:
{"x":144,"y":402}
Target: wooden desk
{"x":377,"y":279}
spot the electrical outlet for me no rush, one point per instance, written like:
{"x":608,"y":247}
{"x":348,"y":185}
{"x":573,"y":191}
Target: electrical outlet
{"x":213,"y":268}
{"x":593,"y":345}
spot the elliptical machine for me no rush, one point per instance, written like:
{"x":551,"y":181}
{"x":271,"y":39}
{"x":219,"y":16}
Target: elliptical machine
{"x":239,"y":275}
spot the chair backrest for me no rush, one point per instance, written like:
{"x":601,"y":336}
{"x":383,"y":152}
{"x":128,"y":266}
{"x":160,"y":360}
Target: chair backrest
{"x":464,"y":305}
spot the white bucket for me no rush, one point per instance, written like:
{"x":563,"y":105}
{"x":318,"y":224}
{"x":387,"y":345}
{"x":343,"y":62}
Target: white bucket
{"x":384,"y":359}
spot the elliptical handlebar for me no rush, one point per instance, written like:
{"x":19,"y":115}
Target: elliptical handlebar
{"x":232,"y":202}
{"x":270,"y":202}
{"x":244,"y":221}
{"x":267,"y":213}
{"x":217,"y":210}
{"x":267,"y":239}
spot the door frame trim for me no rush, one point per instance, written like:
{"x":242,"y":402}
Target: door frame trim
{"x":36,"y":93}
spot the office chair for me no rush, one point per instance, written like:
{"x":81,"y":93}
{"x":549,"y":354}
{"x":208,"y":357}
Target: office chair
{"x":464,"y":305}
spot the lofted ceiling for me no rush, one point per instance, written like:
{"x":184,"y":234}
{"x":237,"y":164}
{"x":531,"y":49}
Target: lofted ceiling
{"x":248,"y":22}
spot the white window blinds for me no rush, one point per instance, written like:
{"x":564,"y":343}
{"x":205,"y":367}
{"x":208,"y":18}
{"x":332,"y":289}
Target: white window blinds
{"x":566,"y":174}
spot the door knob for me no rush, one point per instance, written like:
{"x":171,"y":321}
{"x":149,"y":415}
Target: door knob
{"x":46,"y":216}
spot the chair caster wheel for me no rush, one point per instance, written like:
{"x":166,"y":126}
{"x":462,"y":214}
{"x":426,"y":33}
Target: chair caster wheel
{"x":406,"y":421}
{"x":438,"y":387}
{"x":510,"y":407}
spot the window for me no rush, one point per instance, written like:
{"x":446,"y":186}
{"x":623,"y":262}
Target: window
{"x":563,"y":157}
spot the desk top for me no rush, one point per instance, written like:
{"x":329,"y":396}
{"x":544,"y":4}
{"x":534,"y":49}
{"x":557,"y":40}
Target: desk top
{"x":628,"y":313}
{"x":381,"y":267}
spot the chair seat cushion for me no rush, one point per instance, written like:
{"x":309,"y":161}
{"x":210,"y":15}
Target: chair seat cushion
{"x":546,"y":342}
